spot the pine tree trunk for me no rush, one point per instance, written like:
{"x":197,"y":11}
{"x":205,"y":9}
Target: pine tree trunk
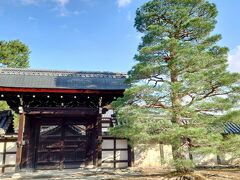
{"x":175,"y":96}
{"x":181,"y":163}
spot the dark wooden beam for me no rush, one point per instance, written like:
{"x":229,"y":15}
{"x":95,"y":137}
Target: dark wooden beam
{"x":4,"y":155}
{"x":115,"y":161}
{"x":114,"y":153}
{"x":20,"y":141}
{"x":57,"y":112}
{"x":58,"y":90}
{"x":117,"y":149}
{"x":99,"y":140}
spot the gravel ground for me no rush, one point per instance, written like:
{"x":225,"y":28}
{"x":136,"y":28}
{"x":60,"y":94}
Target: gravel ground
{"x":130,"y":174}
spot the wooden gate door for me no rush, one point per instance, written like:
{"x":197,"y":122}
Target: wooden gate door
{"x":61,"y":144}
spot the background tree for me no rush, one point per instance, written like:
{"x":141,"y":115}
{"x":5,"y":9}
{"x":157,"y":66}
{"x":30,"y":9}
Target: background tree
{"x":180,"y":87}
{"x":13,"y":54}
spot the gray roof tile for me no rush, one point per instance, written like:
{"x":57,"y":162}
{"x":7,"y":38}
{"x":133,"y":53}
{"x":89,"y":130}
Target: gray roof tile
{"x":27,"y":78}
{"x":232,"y":128}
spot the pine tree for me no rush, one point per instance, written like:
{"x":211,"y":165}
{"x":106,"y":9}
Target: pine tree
{"x":180,"y":88}
{"x":13,"y":54}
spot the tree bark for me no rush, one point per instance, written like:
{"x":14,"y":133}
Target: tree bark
{"x":175,"y":95}
{"x":180,"y":161}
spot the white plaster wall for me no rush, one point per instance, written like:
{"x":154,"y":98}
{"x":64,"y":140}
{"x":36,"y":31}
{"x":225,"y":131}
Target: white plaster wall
{"x":122,"y":143}
{"x":107,"y":155}
{"x":10,"y":158}
{"x":11,"y":147}
{"x":122,"y":165}
{"x":121,"y":155}
{"x":105,"y":130}
{"x":1,"y":159}
{"x":107,"y":144}
{"x":105,"y":124}
{"x":147,"y":155}
{"x":167,"y":153}
{"x":9,"y":169}
{"x":229,"y":159}
{"x":205,"y":159}
{"x":1,"y":146}
{"x":107,"y":165}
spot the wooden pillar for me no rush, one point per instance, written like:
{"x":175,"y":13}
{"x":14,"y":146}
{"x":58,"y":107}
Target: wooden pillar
{"x":4,"y":155}
{"x":27,"y":150}
{"x":94,"y":144}
{"x":20,"y":141}
{"x":34,"y":141}
{"x":130,"y":156}
{"x":114,"y":153}
{"x":99,"y":142}
{"x":99,"y":136}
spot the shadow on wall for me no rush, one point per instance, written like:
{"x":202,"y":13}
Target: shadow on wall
{"x":159,"y":155}
{"x":152,"y":155}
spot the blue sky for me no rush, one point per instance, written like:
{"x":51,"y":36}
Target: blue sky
{"x":95,"y":35}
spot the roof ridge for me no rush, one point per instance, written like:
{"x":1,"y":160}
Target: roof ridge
{"x":39,"y":72}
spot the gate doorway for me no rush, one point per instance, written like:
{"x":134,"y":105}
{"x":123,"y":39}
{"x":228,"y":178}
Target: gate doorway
{"x":64,"y":143}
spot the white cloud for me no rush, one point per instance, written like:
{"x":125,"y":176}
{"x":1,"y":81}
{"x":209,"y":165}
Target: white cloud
{"x":234,"y":60}
{"x":61,"y":6}
{"x":31,"y":18}
{"x":64,"y":11}
{"x":62,"y":3}
{"x":123,"y":3}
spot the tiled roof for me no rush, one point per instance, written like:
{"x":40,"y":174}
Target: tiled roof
{"x":6,"y":122}
{"x":27,"y":78}
{"x":226,"y":128}
{"x":232,"y":128}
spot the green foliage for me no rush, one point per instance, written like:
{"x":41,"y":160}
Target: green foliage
{"x":231,"y":145}
{"x":14,"y":54}
{"x":180,"y":87}
{"x":15,"y":121}
{"x":3,"y":106}
{"x":183,"y":165}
